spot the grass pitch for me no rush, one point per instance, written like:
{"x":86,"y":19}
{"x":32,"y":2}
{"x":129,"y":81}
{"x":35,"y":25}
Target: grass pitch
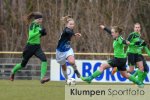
{"x":33,"y":90}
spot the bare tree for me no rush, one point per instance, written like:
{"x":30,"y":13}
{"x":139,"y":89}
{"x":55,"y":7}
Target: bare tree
{"x":88,"y":14}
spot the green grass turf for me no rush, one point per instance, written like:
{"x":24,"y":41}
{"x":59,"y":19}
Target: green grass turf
{"x":33,"y":90}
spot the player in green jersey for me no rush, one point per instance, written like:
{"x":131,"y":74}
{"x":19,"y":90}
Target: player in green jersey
{"x":142,"y":47}
{"x":119,"y":59}
{"x":134,"y":53}
{"x":146,"y":67}
{"x":36,"y":31}
{"x":133,"y":57}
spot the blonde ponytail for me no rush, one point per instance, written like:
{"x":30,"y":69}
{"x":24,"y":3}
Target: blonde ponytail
{"x":66,"y":19}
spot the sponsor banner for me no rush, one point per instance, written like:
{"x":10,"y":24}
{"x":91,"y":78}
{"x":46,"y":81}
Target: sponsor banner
{"x":86,"y":68}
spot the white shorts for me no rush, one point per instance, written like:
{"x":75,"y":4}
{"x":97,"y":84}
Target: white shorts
{"x":62,"y":56}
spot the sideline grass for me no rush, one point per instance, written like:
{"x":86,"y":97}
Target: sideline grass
{"x":31,"y":90}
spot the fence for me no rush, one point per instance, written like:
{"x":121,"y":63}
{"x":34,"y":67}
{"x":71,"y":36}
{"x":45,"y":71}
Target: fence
{"x":32,"y":70}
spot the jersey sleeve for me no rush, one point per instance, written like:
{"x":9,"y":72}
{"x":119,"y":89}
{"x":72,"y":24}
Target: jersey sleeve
{"x":147,"y":50}
{"x":34,"y":30}
{"x":130,"y":37}
{"x":121,"y":40}
{"x":107,"y":30}
{"x":69,"y":32}
{"x":131,"y":44}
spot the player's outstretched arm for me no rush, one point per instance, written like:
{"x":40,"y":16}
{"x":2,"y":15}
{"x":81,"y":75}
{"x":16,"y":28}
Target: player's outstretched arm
{"x":105,"y":29}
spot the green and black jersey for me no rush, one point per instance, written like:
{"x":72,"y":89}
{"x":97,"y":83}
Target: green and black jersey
{"x":34,"y":33}
{"x":145,"y":48}
{"x":136,"y":49}
{"x":118,"y":45}
{"x":133,"y":38}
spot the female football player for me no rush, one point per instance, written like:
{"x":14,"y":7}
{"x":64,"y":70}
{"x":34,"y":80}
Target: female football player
{"x":64,"y":51}
{"x":119,"y":59}
{"x":36,"y":31}
{"x":134,"y":53}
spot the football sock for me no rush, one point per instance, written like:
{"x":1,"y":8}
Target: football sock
{"x":16,"y":68}
{"x":43,"y":69}
{"x":140,"y":75}
{"x":65,"y":74}
{"x":135,"y":73}
{"x":134,"y":80}
{"x":95,"y":74}
{"x":144,"y":76}
{"x":76,"y":70}
{"x":74,"y":67}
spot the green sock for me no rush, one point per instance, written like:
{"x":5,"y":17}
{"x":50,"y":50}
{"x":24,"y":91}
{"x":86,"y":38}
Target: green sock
{"x":140,"y":75}
{"x":134,"y":80}
{"x":95,"y":74}
{"x":144,"y":76}
{"x":135,"y":73}
{"x":16,"y":68}
{"x":43,"y":69}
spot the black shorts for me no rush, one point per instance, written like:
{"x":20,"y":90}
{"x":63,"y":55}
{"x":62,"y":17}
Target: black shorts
{"x":134,"y":58}
{"x":146,"y":67}
{"x":120,"y":63}
{"x":31,"y":50}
